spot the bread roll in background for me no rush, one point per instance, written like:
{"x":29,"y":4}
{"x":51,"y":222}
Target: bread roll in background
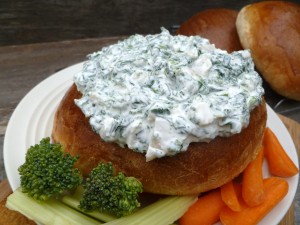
{"x":271,"y":30}
{"x":217,"y":25}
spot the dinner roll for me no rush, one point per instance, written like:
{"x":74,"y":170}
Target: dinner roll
{"x":217,"y":25}
{"x":271,"y":30}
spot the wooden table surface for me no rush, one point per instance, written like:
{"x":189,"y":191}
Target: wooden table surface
{"x":24,"y":66}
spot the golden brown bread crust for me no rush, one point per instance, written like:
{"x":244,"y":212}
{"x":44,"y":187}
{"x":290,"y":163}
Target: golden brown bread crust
{"x":217,"y":25}
{"x":271,"y":30}
{"x":202,"y":167}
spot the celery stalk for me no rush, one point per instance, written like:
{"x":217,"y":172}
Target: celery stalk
{"x":163,"y":212}
{"x":50,"y":212}
{"x":73,"y":202}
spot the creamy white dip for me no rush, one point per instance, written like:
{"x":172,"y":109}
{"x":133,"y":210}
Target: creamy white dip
{"x":158,"y":93}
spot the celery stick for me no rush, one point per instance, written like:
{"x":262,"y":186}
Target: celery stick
{"x":73,"y":202}
{"x":50,"y":212}
{"x":163,"y":212}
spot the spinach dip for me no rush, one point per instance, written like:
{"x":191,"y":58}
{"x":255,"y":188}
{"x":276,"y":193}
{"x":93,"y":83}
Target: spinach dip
{"x":158,"y":93}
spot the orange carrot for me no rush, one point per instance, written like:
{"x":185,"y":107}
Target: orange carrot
{"x":280,"y":164}
{"x":229,"y":196}
{"x":238,"y":189}
{"x":275,"y":189}
{"x":252,"y":184}
{"x":205,"y":211}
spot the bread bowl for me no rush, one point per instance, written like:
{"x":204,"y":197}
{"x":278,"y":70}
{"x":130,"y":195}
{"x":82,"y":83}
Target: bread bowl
{"x":203,"y":166}
{"x":217,"y":25}
{"x":271,"y":30}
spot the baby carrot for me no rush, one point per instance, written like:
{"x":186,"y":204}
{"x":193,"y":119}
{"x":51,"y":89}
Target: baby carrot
{"x":280,"y":164}
{"x":275,"y":189}
{"x":205,"y":211}
{"x":252,"y":184}
{"x":229,"y":196}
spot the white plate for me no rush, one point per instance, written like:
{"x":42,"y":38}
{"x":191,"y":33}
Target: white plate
{"x":32,"y":120}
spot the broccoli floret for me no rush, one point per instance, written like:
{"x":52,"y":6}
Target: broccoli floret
{"x":109,"y":192}
{"x":48,"y":171}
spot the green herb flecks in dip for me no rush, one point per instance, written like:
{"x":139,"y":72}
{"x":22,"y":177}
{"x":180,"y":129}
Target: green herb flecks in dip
{"x":158,"y":93}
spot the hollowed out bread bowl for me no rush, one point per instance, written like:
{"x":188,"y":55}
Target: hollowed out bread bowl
{"x":204,"y":166}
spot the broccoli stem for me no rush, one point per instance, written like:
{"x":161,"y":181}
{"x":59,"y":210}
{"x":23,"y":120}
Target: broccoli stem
{"x":163,"y":212}
{"x":74,"y":200}
{"x":49,"y":212}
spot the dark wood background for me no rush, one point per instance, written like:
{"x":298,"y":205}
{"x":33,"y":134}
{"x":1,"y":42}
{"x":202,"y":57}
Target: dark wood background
{"x":32,"y":21}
